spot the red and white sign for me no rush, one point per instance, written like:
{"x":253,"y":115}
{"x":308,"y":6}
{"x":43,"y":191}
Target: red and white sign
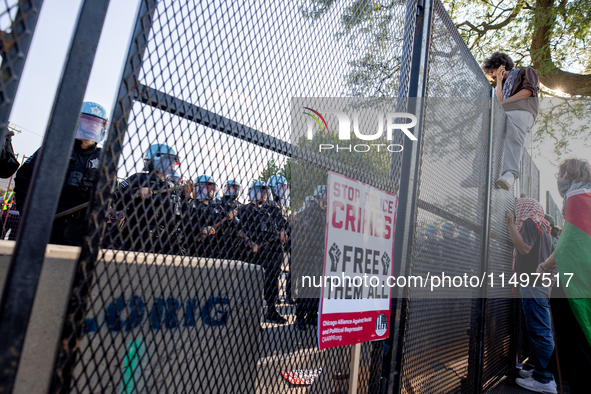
{"x":355,"y":303}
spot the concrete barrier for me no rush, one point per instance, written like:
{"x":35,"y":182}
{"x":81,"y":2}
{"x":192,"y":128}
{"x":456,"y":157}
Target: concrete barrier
{"x":156,"y":324}
{"x":171,"y":324}
{"x":49,"y":308}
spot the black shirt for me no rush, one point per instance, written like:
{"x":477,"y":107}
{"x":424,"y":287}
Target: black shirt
{"x":151,"y":223}
{"x":81,"y":175}
{"x":259,"y":224}
{"x":542,"y":247}
{"x":204,"y":215}
{"x":527,"y":78}
{"x":8,"y":162}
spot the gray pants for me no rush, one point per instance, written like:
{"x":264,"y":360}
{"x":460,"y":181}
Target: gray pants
{"x":518,"y":125}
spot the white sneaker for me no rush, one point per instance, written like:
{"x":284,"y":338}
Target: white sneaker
{"x":533,"y":385}
{"x":524,"y":373}
{"x":506,"y":181}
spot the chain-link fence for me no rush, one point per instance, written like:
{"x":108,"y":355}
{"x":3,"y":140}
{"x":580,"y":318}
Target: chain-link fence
{"x":209,"y":308}
{"x":440,"y":336}
{"x":184,"y":282}
{"x":17,"y":24}
{"x":454,"y":345}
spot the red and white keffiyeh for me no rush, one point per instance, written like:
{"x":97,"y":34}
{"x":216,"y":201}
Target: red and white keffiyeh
{"x":528,"y":208}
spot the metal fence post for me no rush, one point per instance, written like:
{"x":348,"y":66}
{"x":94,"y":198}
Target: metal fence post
{"x":14,"y":48}
{"x":482,"y":301}
{"x":408,"y":191}
{"x":48,"y":178}
{"x":126,"y":96}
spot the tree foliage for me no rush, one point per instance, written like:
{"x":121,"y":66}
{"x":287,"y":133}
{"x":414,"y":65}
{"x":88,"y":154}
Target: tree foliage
{"x":270,"y":169}
{"x":374,"y":37}
{"x":307,"y":173}
{"x":552,"y":36}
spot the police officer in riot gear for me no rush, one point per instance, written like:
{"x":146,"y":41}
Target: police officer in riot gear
{"x":265,"y":235}
{"x":80,"y":177}
{"x":279,"y":187}
{"x":152,"y":202}
{"x":204,"y":239}
{"x":278,"y":210}
{"x":231,"y":192}
{"x":311,"y":229}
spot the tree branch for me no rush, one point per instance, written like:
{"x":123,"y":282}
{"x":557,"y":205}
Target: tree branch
{"x":541,"y":54}
{"x":484,"y":27}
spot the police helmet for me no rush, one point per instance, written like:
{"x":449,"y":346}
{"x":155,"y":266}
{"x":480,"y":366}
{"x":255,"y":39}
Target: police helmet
{"x":254,"y":188}
{"x":448,"y":230}
{"x":278,"y":185}
{"x":162,"y":158}
{"x":205,"y":181}
{"x":93,"y":122}
{"x":231,"y":188}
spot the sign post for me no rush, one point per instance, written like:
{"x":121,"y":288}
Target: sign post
{"x":357,"y":276}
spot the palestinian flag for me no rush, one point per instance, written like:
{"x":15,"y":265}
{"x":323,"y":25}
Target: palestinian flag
{"x":573,"y":255}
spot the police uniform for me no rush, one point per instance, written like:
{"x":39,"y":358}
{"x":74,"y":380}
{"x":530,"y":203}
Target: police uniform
{"x":151,"y":224}
{"x":81,"y":175}
{"x":231,"y":234}
{"x":279,"y":214}
{"x":262,"y":228}
{"x":202,"y":215}
{"x":311,"y":232}
{"x":229,"y":203}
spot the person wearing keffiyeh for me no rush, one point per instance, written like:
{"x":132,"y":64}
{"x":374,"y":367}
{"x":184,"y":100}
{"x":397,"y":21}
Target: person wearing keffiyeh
{"x":517,"y":90}
{"x":530,"y":233}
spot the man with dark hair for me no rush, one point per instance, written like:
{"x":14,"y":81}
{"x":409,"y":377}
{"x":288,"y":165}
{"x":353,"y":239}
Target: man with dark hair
{"x":517,"y":90}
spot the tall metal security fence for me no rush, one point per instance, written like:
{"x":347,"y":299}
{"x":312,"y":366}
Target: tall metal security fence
{"x":158,"y":304}
{"x":460,"y":345}
{"x":181,"y":288}
{"x":18,"y":20}
{"x":17,"y":25}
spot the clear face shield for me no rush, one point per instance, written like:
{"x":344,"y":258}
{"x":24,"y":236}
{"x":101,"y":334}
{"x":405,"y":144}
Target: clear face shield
{"x":91,"y":128}
{"x":259,"y":194}
{"x":281,"y":191}
{"x":232,"y":190}
{"x":205,"y":190}
{"x":166,"y":164}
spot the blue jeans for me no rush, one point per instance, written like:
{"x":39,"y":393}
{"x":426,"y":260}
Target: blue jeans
{"x":536,"y":307}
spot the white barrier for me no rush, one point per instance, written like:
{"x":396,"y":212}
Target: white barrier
{"x":156,"y":323}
